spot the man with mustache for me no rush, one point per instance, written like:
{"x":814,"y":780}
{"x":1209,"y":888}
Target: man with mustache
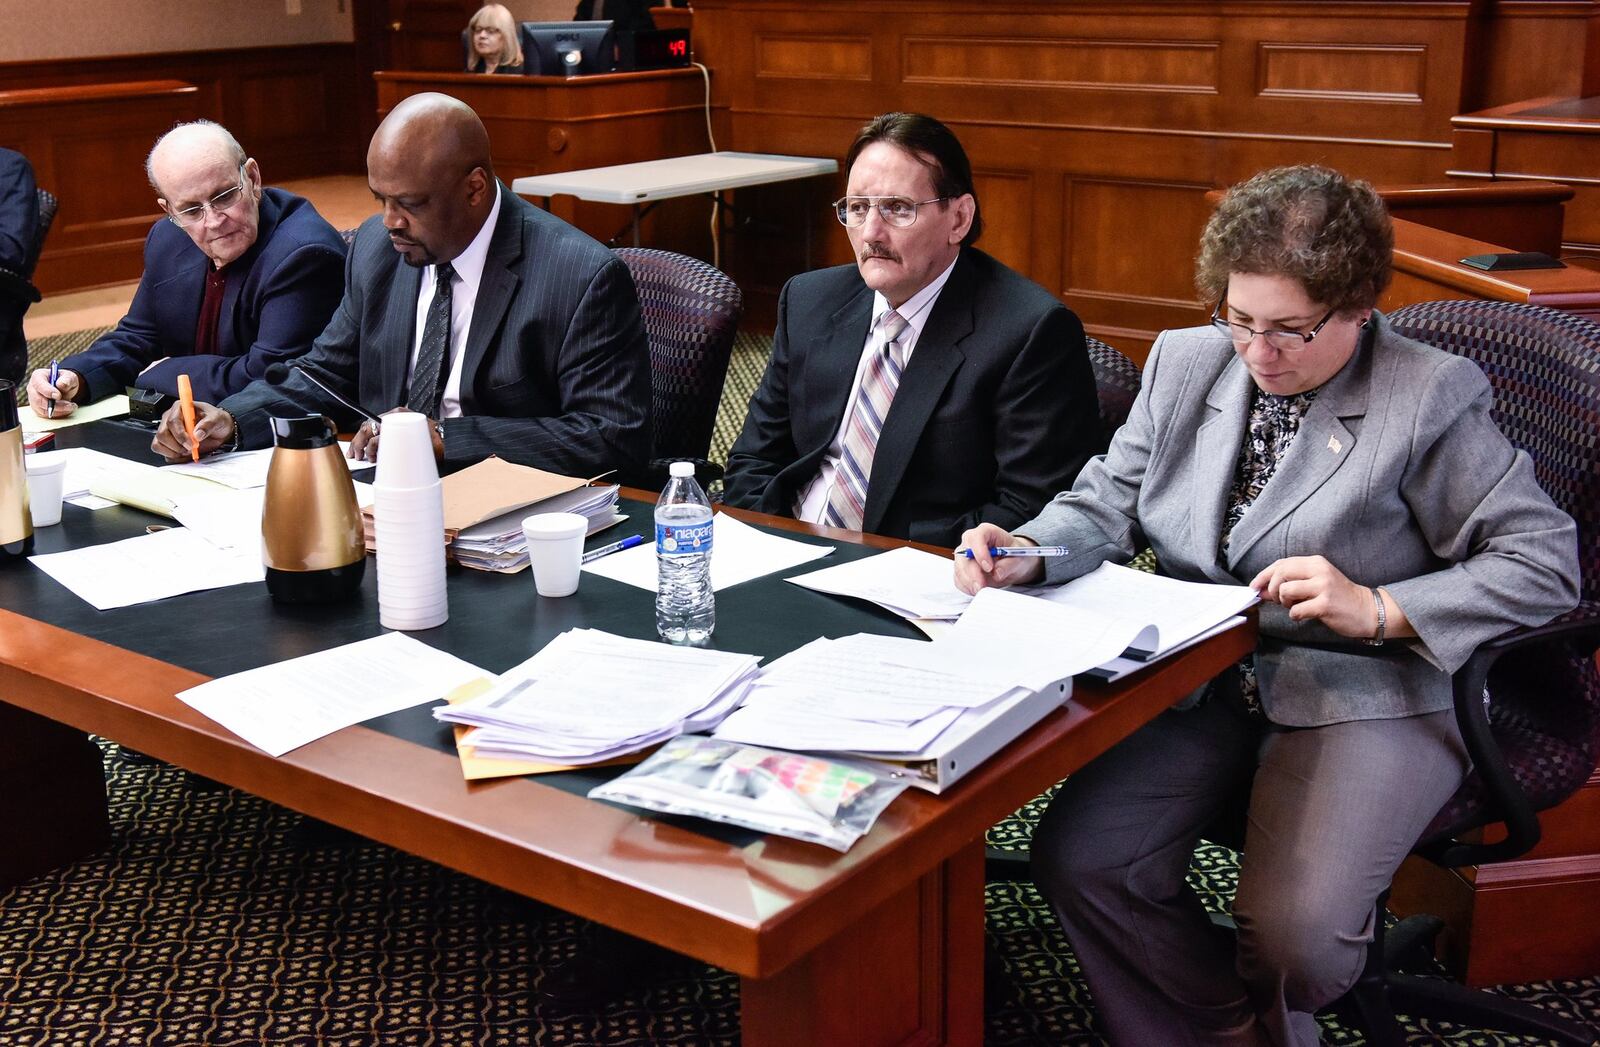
{"x":236,"y":278}
{"x":926,"y":387}
{"x":515,"y":333}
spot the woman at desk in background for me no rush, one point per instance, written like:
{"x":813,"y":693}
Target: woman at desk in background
{"x":493,"y":46}
{"x":1355,"y":478}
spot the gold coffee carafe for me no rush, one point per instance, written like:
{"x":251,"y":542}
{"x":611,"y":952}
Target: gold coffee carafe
{"x":311,"y":539}
{"x":16,"y":524}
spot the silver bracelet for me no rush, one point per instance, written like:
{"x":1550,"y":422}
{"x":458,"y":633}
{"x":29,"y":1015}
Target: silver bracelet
{"x":1377,"y":637}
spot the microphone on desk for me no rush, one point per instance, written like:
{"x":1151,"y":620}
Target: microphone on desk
{"x":277,"y":374}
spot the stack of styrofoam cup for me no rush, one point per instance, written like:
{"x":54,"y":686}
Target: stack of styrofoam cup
{"x":408,"y":526}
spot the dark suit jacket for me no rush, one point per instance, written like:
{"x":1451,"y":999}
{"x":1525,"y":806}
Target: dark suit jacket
{"x":996,"y":410}
{"x":557,"y":369}
{"x":19,"y":224}
{"x":278,"y":295}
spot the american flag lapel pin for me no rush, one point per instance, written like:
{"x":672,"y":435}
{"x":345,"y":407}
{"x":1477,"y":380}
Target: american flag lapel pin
{"x":1334,"y":445}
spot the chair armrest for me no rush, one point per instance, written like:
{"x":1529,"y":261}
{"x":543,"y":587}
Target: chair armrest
{"x":15,"y":285}
{"x":1580,"y":625}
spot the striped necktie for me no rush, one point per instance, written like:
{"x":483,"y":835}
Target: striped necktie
{"x":847,"y":498}
{"x":427,"y":377}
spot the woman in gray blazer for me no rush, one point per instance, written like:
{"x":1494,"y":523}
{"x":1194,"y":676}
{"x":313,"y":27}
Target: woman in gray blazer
{"x":1354,"y":477}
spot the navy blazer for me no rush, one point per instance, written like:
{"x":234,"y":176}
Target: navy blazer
{"x":19,"y":212}
{"x":556,"y":372}
{"x":19,"y":225}
{"x":277,"y":298}
{"x":995,"y":413}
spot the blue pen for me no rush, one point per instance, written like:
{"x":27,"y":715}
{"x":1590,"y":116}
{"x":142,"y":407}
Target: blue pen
{"x":55,"y":376}
{"x":1021,"y":550}
{"x":615,"y":547}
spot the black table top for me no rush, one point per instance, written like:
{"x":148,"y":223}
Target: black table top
{"x":496,"y":621}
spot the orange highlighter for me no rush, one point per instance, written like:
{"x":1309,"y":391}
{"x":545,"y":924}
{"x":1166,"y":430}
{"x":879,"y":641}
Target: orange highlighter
{"x":186,"y":404}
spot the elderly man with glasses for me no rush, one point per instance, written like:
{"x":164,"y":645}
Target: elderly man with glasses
{"x":926,"y":387}
{"x":237,"y":277}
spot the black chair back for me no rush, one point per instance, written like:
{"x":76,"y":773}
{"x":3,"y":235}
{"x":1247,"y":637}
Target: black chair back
{"x":691,"y":314}
{"x":1116,"y":384}
{"x":1544,"y":367}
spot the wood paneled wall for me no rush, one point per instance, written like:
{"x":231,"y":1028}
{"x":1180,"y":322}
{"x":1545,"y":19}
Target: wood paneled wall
{"x":87,"y":145}
{"x":1096,"y":129}
{"x":300,"y":111}
{"x":295,"y":109}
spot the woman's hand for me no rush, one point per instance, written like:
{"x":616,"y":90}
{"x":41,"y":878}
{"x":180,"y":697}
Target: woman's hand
{"x":1313,"y":589}
{"x":983,"y":570}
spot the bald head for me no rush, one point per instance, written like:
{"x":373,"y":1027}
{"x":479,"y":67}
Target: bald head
{"x":188,"y":144}
{"x":429,"y":167}
{"x":204,"y":181}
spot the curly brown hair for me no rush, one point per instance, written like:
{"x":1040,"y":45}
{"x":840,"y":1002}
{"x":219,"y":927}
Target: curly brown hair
{"x":1310,"y":223}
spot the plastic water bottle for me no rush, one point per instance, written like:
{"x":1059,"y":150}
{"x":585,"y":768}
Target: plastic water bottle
{"x":685,"y":605}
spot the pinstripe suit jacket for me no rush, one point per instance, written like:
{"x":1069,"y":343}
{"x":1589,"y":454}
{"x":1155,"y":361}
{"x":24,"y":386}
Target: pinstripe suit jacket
{"x":1398,"y":477}
{"x":557,"y":369}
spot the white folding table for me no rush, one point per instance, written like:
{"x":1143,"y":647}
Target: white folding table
{"x":644,"y":184}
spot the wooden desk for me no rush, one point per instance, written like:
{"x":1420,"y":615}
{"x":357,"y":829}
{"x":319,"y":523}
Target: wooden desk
{"x":1427,"y":267}
{"x":882,"y":945}
{"x":1548,"y":139}
{"x":544,"y":124}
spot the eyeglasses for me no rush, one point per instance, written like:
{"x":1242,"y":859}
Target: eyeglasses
{"x":896,"y":210}
{"x":491,"y":30}
{"x":219,"y":204}
{"x":1282,"y":341}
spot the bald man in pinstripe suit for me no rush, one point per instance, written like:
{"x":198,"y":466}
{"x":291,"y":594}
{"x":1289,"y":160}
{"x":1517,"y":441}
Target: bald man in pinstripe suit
{"x":515,"y":333}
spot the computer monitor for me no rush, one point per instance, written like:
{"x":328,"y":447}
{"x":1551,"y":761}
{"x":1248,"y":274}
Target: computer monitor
{"x":567,"y":48}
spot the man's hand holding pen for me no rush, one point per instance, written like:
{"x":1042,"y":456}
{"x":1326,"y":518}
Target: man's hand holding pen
{"x":364,"y":444}
{"x":982,"y":570}
{"x":213,"y":427}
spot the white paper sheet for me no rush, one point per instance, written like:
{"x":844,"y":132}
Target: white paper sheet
{"x":231,"y":519}
{"x":283,"y":706}
{"x":908,"y":582}
{"x":241,"y":470}
{"x":149,"y":567}
{"x":1024,"y":639}
{"x":739,"y":553}
{"x":1177,"y":610}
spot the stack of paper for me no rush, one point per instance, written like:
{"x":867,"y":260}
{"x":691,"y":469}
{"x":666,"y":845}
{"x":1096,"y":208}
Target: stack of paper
{"x":498,"y":544}
{"x":861,"y":693}
{"x":491,"y":488}
{"x":589,"y":696}
{"x":1158,"y":615}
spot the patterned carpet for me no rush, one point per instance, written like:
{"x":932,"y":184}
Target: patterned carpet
{"x":218,"y":919}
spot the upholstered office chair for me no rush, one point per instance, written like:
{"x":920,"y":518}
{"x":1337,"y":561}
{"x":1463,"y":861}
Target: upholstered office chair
{"x":1528,"y":703}
{"x":1116,"y":383}
{"x":691,"y":314}
{"x":16,"y":287}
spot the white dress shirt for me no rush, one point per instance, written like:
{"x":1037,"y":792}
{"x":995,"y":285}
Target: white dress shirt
{"x":468,"y":267}
{"x":812,"y":500}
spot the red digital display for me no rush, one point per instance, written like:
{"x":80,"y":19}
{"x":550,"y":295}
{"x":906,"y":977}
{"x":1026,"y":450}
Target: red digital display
{"x":679,"y":48}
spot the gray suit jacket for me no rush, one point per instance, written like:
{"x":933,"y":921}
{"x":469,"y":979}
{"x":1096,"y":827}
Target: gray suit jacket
{"x":1398,"y":477}
{"x":557,"y":368}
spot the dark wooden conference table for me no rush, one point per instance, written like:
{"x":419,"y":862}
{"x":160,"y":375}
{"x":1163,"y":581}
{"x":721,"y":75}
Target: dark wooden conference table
{"x":881,"y":945}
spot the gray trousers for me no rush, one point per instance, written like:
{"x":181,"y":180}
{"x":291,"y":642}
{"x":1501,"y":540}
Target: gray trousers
{"x":1332,"y":811}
